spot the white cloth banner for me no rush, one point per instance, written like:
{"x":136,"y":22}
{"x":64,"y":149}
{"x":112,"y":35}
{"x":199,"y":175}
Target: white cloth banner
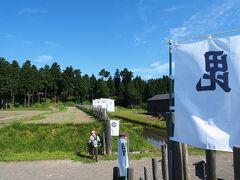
{"x":110,"y":105}
{"x":123,"y":163}
{"x":207,"y":93}
{"x":97,"y":102}
{"x":94,"y":103}
{"x":114,"y":127}
{"x":104,"y":103}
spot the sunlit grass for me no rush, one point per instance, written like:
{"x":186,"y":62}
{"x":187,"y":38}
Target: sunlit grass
{"x":138,"y":116}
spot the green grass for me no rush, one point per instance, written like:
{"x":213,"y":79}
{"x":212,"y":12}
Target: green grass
{"x":43,"y":106}
{"x":138,"y":116}
{"x":33,"y":156}
{"x":195,"y":151}
{"x":20,"y":141}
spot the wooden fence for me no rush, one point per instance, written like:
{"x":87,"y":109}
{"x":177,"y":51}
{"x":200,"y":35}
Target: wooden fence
{"x":101,"y":114}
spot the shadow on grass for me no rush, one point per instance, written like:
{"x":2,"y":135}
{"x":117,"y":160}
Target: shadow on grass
{"x":82,"y":155}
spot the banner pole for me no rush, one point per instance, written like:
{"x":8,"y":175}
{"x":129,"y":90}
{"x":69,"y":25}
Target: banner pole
{"x":206,"y":35}
{"x":170,"y":130}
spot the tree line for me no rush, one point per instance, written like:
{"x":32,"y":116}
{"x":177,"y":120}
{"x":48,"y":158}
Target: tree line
{"x":26,"y":85}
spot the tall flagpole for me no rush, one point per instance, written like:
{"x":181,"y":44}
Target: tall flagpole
{"x":170,"y":127}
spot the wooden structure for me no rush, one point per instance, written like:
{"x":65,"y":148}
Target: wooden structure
{"x":158,"y":104}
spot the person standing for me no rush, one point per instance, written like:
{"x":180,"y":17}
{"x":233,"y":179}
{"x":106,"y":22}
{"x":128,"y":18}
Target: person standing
{"x":94,"y":142}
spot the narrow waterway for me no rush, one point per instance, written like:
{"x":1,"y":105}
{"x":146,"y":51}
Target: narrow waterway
{"x":155,"y":136}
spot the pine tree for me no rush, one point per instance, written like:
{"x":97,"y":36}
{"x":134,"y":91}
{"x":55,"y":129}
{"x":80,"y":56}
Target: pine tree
{"x":93,"y":87}
{"x":110,"y":84}
{"x":55,"y":71}
{"x":117,"y":80}
{"x":27,"y":82}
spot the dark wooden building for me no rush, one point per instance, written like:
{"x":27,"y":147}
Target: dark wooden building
{"x":158,"y":104}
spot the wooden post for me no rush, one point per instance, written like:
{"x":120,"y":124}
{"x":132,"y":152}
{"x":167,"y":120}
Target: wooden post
{"x":115,"y":173}
{"x":129,"y":173}
{"x":145,"y":173}
{"x":211,"y":164}
{"x":154,"y":169}
{"x":186,"y":170}
{"x":108,"y":137}
{"x":107,"y":132}
{"x":164,"y":163}
{"x":104,"y":144}
{"x":236,"y":162}
{"x":177,"y":171}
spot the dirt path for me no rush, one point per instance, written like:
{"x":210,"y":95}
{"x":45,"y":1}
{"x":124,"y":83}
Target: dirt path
{"x":72,"y":115}
{"x":69,"y":170}
{"x":8,"y":116}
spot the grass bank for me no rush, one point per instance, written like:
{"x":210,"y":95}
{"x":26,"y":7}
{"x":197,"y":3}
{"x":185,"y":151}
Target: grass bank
{"x":138,"y":116}
{"x":21,"y":141}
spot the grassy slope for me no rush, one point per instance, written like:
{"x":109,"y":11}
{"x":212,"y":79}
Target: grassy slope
{"x":20,"y":141}
{"x":138,"y":116}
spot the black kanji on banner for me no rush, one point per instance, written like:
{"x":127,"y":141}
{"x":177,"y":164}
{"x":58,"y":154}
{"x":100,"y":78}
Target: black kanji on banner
{"x":216,"y":68}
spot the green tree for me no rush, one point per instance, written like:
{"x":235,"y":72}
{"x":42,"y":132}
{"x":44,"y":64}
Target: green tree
{"x":93,"y":87}
{"x":67,"y":82}
{"x":139,"y":85}
{"x":46,"y":80}
{"x":55,"y":71}
{"x":102,"y":89}
{"x":27,"y":82}
{"x":4,"y":81}
{"x":117,"y":80}
{"x":14,"y":74}
{"x":126,"y":76}
{"x":104,"y":73}
{"x":111,"y":87}
{"x":77,"y":85}
{"x":132,"y":97}
{"x":85,"y":86}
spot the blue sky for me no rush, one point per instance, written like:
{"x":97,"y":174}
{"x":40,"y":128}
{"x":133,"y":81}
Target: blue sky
{"x":110,"y":34}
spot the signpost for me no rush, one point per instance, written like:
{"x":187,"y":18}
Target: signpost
{"x":114,"y":127}
{"x":123,"y":162}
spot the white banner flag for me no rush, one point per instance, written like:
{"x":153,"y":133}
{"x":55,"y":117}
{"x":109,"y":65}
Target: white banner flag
{"x":207,"y":93}
{"x":114,"y":127}
{"x":111,"y":105}
{"x":104,"y":103}
{"x":122,"y":157}
{"x":98,"y":102}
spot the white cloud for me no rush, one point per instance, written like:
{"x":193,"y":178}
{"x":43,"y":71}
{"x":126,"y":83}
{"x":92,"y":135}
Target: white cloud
{"x":139,"y":38}
{"x":155,"y":70}
{"x":43,"y":59}
{"x":141,"y":10}
{"x":221,"y":15}
{"x":31,"y":11}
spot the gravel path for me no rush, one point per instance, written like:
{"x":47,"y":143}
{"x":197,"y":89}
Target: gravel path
{"x":69,"y":170}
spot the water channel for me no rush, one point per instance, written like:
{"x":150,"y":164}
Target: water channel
{"x":155,"y":136}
